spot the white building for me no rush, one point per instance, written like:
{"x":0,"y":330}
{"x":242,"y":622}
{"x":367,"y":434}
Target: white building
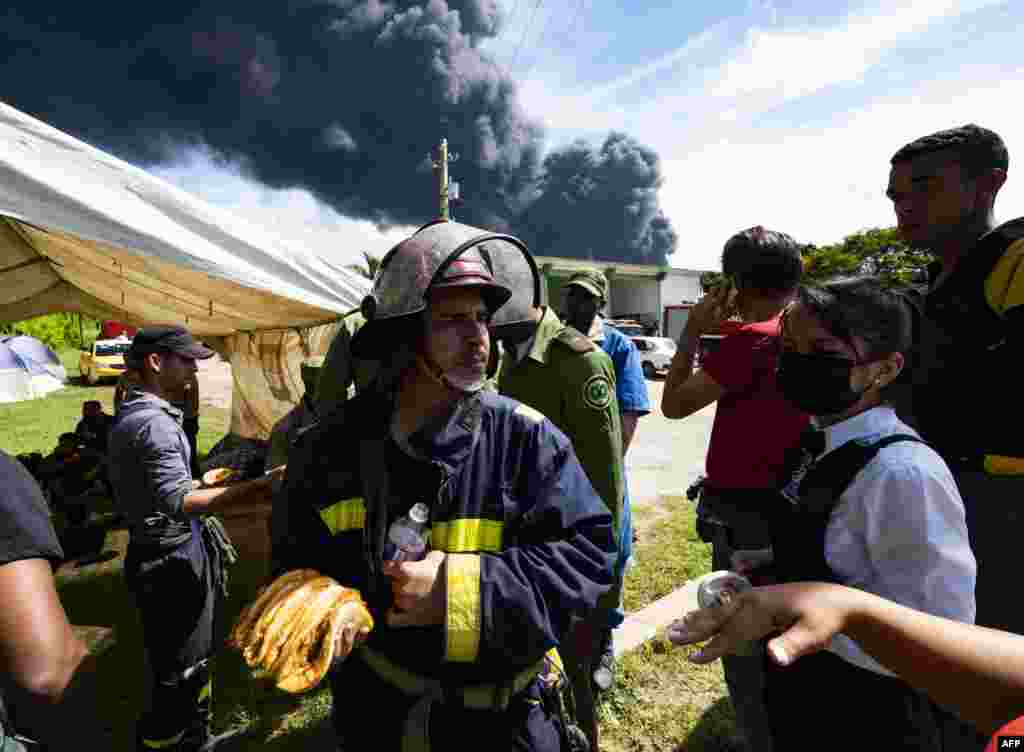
{"x":635,"y":291}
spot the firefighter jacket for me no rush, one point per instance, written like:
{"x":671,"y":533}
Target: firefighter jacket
{"x":529,"y":542}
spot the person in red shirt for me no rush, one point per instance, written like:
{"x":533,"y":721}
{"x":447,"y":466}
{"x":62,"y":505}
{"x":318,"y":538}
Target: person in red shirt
{"x":755,"y":428}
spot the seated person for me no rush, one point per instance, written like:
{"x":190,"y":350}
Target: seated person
{"x":94,"y":427}
{"x":67,"y":475}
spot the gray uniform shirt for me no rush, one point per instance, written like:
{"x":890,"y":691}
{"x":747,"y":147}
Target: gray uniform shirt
{"x":149,"y":460}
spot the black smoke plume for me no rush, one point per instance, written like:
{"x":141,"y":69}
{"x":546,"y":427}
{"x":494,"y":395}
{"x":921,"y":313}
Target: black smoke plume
{"x":600,"y":203}
{"x":345,"y":98}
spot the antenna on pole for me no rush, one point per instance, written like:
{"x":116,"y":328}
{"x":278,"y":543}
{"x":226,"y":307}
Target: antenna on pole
{"x":445,"y":186}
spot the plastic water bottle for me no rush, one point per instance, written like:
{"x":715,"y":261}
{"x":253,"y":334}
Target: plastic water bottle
{"x":406,"y":541}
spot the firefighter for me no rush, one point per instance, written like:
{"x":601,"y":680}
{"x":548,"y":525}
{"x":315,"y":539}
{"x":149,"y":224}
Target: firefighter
{"x":175,"y":565}
{"x":519,"y":540}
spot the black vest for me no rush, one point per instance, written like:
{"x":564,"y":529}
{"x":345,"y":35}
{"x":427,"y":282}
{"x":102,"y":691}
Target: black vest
{"x":964,"y":379}
{"x":799,"y":541}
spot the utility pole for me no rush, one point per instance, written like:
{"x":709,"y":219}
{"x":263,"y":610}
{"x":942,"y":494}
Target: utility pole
{"x":445,"y":186}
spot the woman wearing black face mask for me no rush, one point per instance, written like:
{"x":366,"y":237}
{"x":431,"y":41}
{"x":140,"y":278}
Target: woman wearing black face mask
{"x":877,"y":509}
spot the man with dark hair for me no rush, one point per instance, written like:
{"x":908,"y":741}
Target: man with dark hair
{"x":964,"y":391}
{"x":68,"y":474}
{"x":176,"y":558}
{"x":745,"y":467}
{"x":94,"y":427}
{"x":586,"y":293}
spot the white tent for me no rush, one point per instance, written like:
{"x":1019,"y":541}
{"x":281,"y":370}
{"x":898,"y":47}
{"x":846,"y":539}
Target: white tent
{"x":83,"y":231}
{"x":28,"y":369}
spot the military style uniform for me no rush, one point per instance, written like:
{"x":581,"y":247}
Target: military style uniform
{"x":571,"y":381}
{"x":340,"y":370}
{"x":528,"y":545}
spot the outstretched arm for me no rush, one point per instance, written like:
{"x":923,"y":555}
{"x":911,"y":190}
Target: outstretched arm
{"x":976,"y":671}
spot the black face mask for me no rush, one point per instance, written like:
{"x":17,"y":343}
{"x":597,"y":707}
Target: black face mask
{"x":817,"y":384}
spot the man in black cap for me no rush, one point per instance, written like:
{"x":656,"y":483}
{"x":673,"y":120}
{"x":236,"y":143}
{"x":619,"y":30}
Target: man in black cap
{"x":175,"y":561}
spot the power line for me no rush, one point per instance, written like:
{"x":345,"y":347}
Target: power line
{"x":570,"y":30}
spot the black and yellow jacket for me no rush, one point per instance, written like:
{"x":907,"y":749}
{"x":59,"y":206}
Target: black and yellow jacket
{"x":966,"y":393}
{"x":528,"y":540}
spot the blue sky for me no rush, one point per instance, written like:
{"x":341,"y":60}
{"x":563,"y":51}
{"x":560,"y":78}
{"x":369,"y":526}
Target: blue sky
{"x":782,"y":114}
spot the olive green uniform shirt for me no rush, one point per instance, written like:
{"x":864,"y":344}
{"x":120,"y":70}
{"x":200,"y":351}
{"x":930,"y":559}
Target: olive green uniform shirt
{"x":340,"y":370}
{"x":572,"y":382}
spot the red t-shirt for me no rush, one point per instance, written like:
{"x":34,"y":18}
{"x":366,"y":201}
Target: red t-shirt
{"x":754,"y":425}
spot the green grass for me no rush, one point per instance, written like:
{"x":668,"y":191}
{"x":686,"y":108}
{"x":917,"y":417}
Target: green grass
{"x":660,"y":700}
{"x":34,"y":425}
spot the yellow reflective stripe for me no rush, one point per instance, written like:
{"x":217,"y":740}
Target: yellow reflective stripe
{"x":1004,"y":287}
{"x":347,"y":514}
{"x":462,"y":633}
{"x":467,"y":536}
{"x":997,"y":464}
{"x":555,"y":658}
{"x":164,"y":743}
{"x":206,"y":691}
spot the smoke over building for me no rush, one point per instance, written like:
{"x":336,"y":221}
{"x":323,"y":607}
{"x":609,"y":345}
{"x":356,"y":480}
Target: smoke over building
{"x":345,"y":98}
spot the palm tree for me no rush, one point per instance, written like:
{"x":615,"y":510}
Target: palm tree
{"x":369,"y":269}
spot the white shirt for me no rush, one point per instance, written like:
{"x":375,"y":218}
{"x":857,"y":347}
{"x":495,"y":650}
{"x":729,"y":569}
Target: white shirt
{"x":899,"y":530}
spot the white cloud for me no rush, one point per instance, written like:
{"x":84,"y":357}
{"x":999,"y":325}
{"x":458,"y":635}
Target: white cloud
{"x":821,"y":183}
{"x":727,"y":167}
{"x":781,"y":65}
{"x":293,"y":211}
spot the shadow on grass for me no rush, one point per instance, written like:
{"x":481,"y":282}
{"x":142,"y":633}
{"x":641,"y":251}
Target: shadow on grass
{"x":714,"y":730}
{"x":117,"y":681}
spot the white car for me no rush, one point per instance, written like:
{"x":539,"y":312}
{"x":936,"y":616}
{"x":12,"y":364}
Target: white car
{"x":656,"y":354}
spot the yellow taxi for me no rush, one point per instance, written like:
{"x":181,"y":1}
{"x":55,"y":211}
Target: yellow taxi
{"x":103,"y":360}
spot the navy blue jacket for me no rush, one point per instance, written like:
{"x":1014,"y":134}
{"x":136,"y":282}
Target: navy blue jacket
{"x":529,"y":541}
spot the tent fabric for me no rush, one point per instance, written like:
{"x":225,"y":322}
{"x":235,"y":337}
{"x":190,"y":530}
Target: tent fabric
{"x":272,"y":360}
{"x":28,"y":369}
{"x":83,"y":231}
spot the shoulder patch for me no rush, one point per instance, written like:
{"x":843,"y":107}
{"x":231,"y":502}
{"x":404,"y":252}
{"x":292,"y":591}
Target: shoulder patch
{"x":529,"y":413}
{"x":575,"y":341}
{"x":597,"y":392}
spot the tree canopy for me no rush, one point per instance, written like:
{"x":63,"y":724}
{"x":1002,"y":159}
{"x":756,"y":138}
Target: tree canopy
{"x":876,"y":251}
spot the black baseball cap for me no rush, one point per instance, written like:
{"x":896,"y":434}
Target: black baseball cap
{"x":161,"y":339}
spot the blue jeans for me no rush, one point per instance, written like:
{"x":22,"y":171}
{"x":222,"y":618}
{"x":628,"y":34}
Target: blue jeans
{"x":625,"y":552}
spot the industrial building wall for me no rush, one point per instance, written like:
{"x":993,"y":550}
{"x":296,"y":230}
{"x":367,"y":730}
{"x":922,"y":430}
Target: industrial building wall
{"x":680,"y":286}
{"x":633,"y":295}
